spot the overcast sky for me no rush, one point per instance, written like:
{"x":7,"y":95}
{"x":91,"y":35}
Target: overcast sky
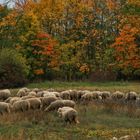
{"x":9,"y":4}
{"x":1,"y":1}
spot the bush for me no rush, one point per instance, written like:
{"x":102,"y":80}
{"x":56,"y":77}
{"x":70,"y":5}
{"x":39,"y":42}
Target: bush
{"x":13,"y":69}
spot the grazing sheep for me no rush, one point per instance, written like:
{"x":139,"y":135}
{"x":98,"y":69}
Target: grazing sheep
{"x":104,"y":94}
{"x":60,"y":110}
{"x":57,"y":94}
{"x":11,"y":100}
{"x":55,"y":105}
{"x":4,"y":94}
{"x":21,"y":106}
{"x":117,"y":95}
{"x":46,"y":101}
{"x":39,"y":94}
{"x":27,"y":97}
{"x":59,"y":103}
{"x":8,"y":100}
{"x":68,"y":114}
{"x":73,"y":94}
{"x":4,"y":108}
{"x":131,"y":96}
{"x":35,"y":103}
{"x":95,"y":94}
{"x":14,"y":99}
{"x":80,"y":93}
{"x":32,"y":93}
{"x":48,"y":94}
{"x":23,"y":92}
{"x":76,"y":95}
{"x":87,"y":96}
{"x":69,"y":103}
{"x":65,"y":94}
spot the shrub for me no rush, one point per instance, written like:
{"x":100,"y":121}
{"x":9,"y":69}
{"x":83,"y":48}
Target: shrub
{"x":13,"y":69}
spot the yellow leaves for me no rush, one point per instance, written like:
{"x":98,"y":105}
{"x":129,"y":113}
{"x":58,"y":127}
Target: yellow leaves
{"x":111,"y":4}
{"x":9,"y":20}
{"x":134,"y":2}
{"x":23,"y":38}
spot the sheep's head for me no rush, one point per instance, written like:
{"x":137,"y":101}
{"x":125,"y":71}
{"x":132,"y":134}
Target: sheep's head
{"x":59,"y":111}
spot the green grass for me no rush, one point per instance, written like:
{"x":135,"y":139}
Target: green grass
{"x":96,"y":123}
{"x":111,"y":86}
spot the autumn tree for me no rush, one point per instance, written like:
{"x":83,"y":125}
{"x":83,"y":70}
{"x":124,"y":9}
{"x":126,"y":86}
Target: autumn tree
{"x":43,"y":55}
{"x":7,"y":27}
{"x":126,"y":46}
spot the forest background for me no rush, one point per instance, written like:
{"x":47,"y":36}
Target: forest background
{"x":69,"y":40}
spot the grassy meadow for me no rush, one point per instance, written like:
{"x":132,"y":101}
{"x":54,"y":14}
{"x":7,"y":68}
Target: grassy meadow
{"x":111,"y":86}
{"x":98,"y":120}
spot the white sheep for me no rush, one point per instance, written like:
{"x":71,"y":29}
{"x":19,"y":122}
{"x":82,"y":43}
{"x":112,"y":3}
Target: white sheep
{"x":117,"y":95}
{"x":65,"y":94}
{"x":87,"y":96}
{"x":105,"y":94}
{"x":46,"y":101}
{"x":40,"y":94}
{"x":8,"y":99}
{"x":35,"y":103}
{"x":59,"y":103}
{"x":69,"y":103}
{"x":32,"y":93}
{"x":27,"y":97}
{"x":55,"y":105}
{"x":62,"y":109}
{"x":14,"y":99}
{"x":130,"y":96}
{"x":21,"y":106}
{"x":68,"y":114}
{"x":95,"y":94}
{"x":80,"y":93}
{"x":4,"y":108}
{"x":11,"y":100}
{"x":4,"y":94}
{"x":23,"y":92}
{"x":48,"y":94}
{"x":57,"y":94}
{"x":73,"y":94}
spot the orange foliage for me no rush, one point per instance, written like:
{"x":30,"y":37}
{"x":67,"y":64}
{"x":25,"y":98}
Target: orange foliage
{"x":127,"y":53}
{"x":44,"y":43}
{"x":39,"y":72}
{"x":84,"y":68}
{"x":45,"y":51}
{"x":111,"y":4}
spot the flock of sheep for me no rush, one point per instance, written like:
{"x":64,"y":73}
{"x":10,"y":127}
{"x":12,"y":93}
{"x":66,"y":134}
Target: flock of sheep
{"x":63,"y":102}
